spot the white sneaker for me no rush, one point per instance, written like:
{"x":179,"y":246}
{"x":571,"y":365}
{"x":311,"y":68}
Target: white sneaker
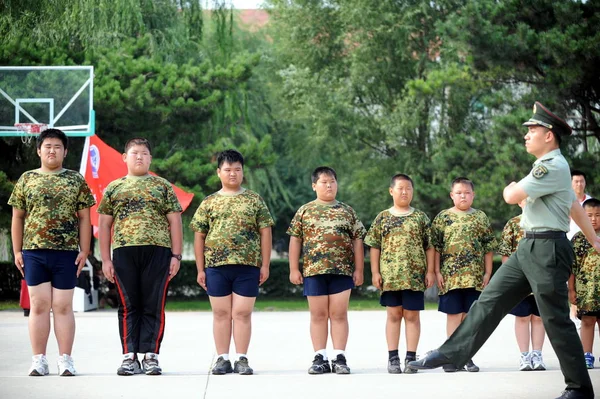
{"x":537,"y":362}
{"x":39,"y":366}
{"x":65,"y":366}
{"x":525,"y":362}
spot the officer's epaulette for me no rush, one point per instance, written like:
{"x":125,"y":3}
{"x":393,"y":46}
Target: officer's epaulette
{"x":547,"y":159}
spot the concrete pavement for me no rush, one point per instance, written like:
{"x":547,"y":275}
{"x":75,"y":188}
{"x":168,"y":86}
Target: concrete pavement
{"x":280,"y":354}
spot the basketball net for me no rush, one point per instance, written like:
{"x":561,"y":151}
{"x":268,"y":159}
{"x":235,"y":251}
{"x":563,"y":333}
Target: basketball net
{"x":30,"y":130}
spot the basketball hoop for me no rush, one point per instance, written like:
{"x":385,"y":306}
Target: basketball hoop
{"x":30,"y":130}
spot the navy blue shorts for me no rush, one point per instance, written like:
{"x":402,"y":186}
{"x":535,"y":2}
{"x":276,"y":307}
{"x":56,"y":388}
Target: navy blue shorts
{"x":458,"y":300}
{"x":50,"y":265}
{"x":526,"y":307}
{"x":592,"y":313}
{"x":408,"y":299}
{"x":241,"y":279}
{"x":327,"y":284}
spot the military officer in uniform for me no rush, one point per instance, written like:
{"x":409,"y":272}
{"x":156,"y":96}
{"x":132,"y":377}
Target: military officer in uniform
{"x":541,"y":264}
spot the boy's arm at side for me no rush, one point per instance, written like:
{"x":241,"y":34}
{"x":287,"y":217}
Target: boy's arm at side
{"x":430,"y":276}
{"x":85,"y":238}
{"x":294,"y":260}
{"x":105,"y":223}
{"x":374,"y":255}
{"x":438,"y":273}
{"x":505,"y":258}
{"x":175,"y":225}
{"x":199,"y":254}
{"x":16,"y":231}
{"x":581,"y":219}
{"x":266,"y":244}
{"x":488,"y":264}
{"x":359,"y":262}
{"x":572,"y":290}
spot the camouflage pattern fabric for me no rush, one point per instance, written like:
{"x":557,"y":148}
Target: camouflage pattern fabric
{"x":462,"y":239}
{"x":403,"y":240}
{"x":586,"y":269}
{"x":51,"y":202}
{"x":511,"y":235}
{"x":139,"y":207}
{"x":327,"y":232}
{"x":232,"y":225}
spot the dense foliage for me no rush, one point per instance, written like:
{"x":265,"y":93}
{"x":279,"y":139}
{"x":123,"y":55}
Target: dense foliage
{"x":435,"y":89}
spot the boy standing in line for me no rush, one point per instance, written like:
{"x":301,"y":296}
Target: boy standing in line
{"x":584,"y":283}
{"x":51,"y":236}
{"x":528,"y":322}
{"x":147,"y":244}
{"x":402,"y":266}
{"x":232,"y":244}
{"x":330,"y":236}
{"x":464,"y":244}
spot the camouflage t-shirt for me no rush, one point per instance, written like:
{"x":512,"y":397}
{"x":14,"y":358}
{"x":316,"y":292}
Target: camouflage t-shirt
{"x":139,"y":206}
{"x":51,"y":202}
{"x":327,"y":232}
{"x":511,"y":235}
{"x":462,"y":239}
{"x":403,"y":240}
{"x":586,"y":269}
{"x":232,"y":225}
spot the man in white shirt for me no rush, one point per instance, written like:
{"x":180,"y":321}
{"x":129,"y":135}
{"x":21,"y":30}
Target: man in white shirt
{"x":578,"y":184}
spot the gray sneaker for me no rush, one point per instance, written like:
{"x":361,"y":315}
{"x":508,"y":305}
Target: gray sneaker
{"x":150,"y":364}
{"x":394,"y":365}
{"x":241,"y":366}
{"x":471,"y":367}
{"x":537,"y":362}
{"x":222,"y":366}
{"x":129,"y":366}
{"x":409,"y":369}
{"x":39,"y":366}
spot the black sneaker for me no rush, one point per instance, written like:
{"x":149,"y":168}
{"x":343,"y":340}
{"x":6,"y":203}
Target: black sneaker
{"x":129,"y":366}
{"x":319,"y":366}
{"x":222,"y":366}
{"x":394,"y":365}
{"x":150,"y":364}
{"x":409,"y":369}
{"x":450,"y":368}
{"x":241,"y":366}
{"x":339,"y":365}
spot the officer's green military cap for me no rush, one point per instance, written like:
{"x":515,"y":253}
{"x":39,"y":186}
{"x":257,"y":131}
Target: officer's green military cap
{"x":543,"y":117}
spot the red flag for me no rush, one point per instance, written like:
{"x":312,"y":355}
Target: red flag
{"x":101,"y":164}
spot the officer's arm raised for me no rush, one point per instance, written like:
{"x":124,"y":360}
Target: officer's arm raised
{"x":513,"y":193}
{"x":579,"y":216}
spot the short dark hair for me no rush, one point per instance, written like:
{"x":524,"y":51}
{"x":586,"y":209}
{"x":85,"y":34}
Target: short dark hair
{"x":462,"y":180}
{"x":52,"y":134}
{"x":576,"y":172}
{"x":230,"y":156}
{"x":592,"y":203}
{"x":400,"y":176}
{"x":322,"y":170}
{"x":138,"y":141}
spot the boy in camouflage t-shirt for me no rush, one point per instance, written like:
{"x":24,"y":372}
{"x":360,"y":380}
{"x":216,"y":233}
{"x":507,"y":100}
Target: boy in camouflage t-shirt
{"x":51,"y":236}
{"x":147,"y":241}
{"x":584,"y":283}
{"x":232,"y":244}
{"x":528,"y":323}
{"x":402,"y":266}
{"x":330,"y":236}
{"x":464,"y":244}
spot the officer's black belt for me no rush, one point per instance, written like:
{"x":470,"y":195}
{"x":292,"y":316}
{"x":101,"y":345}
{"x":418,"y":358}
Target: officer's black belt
{"x":548,"y":235}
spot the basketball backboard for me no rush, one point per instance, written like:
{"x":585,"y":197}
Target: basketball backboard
{"x":61,"y":97}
